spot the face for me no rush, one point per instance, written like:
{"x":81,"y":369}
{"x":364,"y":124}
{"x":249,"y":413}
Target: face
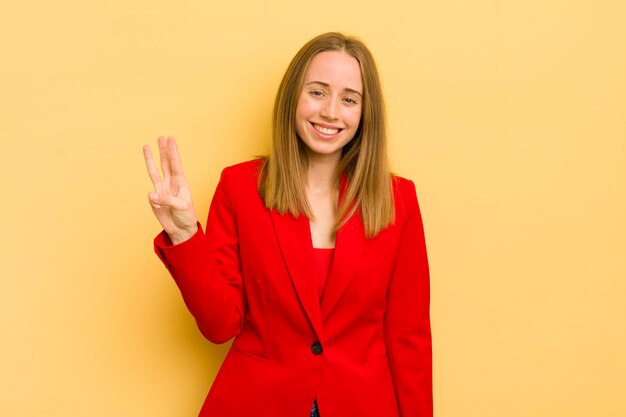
{"x":329,"y":107}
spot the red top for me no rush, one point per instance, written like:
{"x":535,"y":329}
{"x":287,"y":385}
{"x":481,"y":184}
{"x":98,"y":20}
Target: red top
{"x":323,"y":259}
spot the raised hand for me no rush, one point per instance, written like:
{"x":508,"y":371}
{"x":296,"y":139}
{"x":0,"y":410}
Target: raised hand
{"x":171,"y":200}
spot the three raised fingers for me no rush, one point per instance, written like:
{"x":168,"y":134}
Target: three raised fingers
{"x":169,"y":157}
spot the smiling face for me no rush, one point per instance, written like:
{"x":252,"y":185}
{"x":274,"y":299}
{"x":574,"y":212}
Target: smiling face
{"x":330,"y":102}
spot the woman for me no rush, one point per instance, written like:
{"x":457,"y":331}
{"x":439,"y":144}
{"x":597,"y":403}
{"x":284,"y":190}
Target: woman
{"x":313,"y":259}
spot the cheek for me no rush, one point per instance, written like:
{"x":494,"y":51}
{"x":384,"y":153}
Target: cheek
{"x":304,"y":108}
{"x":353,"y":118}
{"x":302,"y":116}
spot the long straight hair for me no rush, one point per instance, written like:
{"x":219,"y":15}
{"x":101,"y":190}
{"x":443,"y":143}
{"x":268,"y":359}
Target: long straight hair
{"x":364,"y":159}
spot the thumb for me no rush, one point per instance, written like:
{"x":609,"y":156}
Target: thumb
{"x":158,"y":200}
{"x":153,"y":197}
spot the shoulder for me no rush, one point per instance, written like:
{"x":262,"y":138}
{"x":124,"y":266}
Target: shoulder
{"x":404,"y":195}
{"x":243,"y":171}
{"x":238,"y":183}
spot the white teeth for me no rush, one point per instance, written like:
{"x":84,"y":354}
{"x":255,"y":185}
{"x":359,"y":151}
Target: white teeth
{"x":325,"y":131}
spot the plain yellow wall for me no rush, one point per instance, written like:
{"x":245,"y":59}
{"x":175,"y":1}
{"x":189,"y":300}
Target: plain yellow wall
{"x":510,"y":116}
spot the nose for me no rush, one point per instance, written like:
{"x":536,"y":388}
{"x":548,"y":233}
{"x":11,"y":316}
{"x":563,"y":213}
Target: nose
{"x":329,"y":109}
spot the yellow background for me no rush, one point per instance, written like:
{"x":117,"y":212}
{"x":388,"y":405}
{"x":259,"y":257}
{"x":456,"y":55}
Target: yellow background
{"x":510,"y":116}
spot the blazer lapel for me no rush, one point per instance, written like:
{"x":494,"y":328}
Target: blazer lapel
{"x":349,"y":244}
{"x":294,"y":239}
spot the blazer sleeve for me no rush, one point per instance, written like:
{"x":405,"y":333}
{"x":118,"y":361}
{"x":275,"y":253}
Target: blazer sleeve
{"x":407,"y":318}
{"x":207,"y":269}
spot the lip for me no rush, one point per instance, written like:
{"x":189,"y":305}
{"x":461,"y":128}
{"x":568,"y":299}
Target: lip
{"x":324,"y":135}
{"x":327,"y":126}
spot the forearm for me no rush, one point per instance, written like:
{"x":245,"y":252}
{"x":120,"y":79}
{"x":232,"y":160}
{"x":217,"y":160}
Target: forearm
{"x":212,"y":297}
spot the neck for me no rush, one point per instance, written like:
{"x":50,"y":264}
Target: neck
{"x":321,"y":172}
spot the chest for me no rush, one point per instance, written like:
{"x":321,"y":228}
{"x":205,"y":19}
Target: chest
{"x":324,"y":207}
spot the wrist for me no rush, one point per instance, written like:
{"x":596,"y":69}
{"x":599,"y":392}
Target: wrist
{"x":183,"y":235}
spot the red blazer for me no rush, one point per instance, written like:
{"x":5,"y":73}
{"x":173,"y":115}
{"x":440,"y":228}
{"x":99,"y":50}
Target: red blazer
{"x":363,"y":351}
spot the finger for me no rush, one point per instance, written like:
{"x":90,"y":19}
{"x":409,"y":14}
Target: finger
{"x":151,"y":166}
{"x":175,"y":163}
{"x":158,"y":200}
{"x":164,"y":154}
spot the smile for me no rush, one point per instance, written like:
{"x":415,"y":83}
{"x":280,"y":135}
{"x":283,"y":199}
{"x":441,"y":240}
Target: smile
{"x":325,"y":130}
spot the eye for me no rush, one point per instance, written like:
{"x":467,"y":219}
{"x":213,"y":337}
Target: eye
{"x":316,"y":93}
{"x":350,"y":100}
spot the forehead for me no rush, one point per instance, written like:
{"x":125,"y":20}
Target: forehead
{"x":335,"y":68}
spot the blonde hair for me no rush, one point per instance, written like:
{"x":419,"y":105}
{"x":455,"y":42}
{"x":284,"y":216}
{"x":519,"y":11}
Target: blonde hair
{"x":364,"y":159}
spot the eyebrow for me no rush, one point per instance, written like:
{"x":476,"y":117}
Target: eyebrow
{"x":351,"y":90}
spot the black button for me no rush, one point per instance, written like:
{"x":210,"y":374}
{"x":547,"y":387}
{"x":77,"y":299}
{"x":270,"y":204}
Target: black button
{"x":316,"y":348}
